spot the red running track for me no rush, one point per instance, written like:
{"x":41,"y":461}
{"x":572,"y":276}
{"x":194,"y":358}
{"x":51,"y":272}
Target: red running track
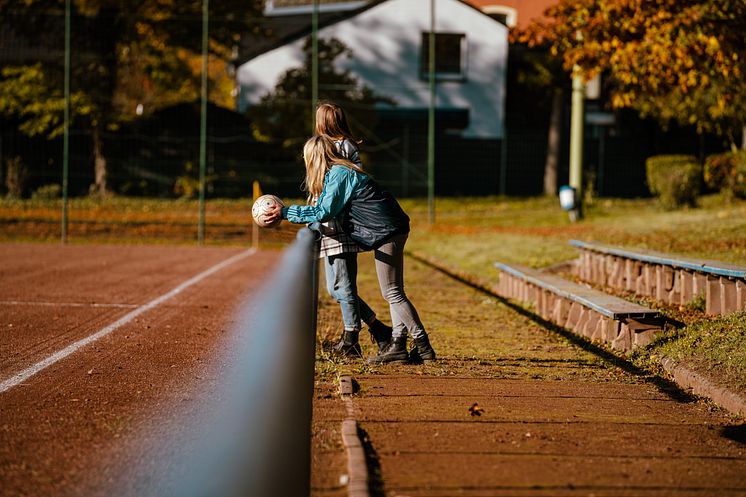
{"x":89,"y":420}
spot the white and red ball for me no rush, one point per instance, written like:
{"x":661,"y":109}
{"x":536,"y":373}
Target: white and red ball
{"x":261,"y":206}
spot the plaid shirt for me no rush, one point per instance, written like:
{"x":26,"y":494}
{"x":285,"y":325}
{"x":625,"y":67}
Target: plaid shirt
{"x":335,"y":241}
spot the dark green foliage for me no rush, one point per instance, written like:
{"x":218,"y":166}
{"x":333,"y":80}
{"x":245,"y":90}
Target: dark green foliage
{"x":675,"y":179}
{"x":128,"y":59}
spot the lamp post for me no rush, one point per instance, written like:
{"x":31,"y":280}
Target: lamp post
{"x":576,"y":144}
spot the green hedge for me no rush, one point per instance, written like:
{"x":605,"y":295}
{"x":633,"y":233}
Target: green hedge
{"x":674,"y":179}
{"x":727,"y":173}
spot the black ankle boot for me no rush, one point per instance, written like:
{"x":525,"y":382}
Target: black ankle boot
{"x":380,"y":334}
{"x":422,"y":350}
{"x":395,"y":351}
{"x":348,"y":344}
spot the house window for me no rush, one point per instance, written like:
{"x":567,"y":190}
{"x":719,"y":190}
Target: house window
{"x":450,"y":56}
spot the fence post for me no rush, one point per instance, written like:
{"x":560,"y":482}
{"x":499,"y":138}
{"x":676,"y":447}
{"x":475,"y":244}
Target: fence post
{"x":203,"y":123}
{"x":256,"y":193}
{"x":66,"y":135}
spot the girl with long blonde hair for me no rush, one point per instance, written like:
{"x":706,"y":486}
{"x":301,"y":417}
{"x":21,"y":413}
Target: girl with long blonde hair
{"x":337,"y":248}
{"x":375,"y":221}
{"x":319,"y":154}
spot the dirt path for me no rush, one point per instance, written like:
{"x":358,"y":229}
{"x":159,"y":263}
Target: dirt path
{"x":91,"y":423}
{"x":557,"y":419}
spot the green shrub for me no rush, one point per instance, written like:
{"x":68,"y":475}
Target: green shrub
{"x":47,"y":192}
{"x":674,"y":179}
{"x":186,"y":186}
{"x":717,"y":169}
{"x":727,"y":173}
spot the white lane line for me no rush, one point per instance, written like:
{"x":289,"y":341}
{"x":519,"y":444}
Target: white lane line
{"x":66,"y":304}
{"x":22,"y":376}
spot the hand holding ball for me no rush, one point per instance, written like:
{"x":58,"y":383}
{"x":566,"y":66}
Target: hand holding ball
{"x":262,"y":207}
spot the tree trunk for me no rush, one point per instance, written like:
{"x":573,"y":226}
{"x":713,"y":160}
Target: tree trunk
{"x":15,"y":178}
{"x":100,"y":186}
{"x":743,"y":137}
{"x":553,"y":145}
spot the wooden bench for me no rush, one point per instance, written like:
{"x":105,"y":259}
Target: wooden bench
{"x":669,"y":278}
{"x":583,"y":310}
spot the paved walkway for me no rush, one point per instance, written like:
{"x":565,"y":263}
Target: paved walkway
{"x":557,"y":418}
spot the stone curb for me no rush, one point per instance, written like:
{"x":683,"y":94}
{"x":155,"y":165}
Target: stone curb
{"x":357,"y":467}
{"x":686,"y":378}
{"x":682,"y":376}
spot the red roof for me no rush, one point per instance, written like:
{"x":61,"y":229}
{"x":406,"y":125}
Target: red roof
{"x":526,"y":9}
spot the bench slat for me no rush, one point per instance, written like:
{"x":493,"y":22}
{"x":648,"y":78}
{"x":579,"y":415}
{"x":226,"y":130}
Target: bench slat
{"x":608,"y":305}
{"x":705,"y":266}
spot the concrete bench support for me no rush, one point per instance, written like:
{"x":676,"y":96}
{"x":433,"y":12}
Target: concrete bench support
{"x":677,"y":281}
{"x":713,"y":296}
{"x":584,"y":311}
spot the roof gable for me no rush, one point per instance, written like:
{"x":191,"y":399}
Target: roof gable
{"x":292,"y":27}
{"x":295,"y":7}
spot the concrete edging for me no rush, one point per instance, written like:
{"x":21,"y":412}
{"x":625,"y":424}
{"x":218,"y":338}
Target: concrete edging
{"x":357,"y":466}
{"x":686,"y":378}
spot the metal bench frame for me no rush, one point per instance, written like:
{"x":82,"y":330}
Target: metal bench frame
{"x":585,"y":311}
{"x":664,"y":277}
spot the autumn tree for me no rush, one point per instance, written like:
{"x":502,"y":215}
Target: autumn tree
{"x":680,"y":61}
{"x":129,"y":59}
{"x":285,"y":114}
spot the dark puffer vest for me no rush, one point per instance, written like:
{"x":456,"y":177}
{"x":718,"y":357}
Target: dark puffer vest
{"x":373,"y":217}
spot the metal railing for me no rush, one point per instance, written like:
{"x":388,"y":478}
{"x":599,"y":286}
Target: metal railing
{"x":260,"y":444}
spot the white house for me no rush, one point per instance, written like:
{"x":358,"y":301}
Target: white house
{"x":389,"y":43}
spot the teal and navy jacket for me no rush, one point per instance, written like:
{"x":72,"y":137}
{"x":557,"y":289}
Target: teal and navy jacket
{"x":370,"y":215}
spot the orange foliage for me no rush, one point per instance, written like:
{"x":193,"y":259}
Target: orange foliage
{"x":671,"y":59}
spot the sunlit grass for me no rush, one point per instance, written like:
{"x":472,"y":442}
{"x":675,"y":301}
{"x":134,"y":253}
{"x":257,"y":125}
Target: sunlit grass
{"x":474,"y":232}
{"x":715,"y":346}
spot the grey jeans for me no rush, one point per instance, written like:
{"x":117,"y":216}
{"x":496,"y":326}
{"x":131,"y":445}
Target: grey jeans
{"x":390,"y":270}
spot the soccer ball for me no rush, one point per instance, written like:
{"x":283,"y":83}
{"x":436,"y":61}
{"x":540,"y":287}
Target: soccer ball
{"x":261,"y":206}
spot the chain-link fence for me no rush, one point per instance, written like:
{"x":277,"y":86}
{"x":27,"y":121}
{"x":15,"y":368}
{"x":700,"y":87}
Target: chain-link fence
{"x":135,"y":120}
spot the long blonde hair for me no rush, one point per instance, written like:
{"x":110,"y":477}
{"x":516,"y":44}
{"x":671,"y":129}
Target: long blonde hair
{"x":320,"y":154}
{"x":331,"y":120}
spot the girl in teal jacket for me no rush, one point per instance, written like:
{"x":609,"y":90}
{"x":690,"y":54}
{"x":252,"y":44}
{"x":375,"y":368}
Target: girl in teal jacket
{"x":374,"y":219}
{"x":339,"y":251}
